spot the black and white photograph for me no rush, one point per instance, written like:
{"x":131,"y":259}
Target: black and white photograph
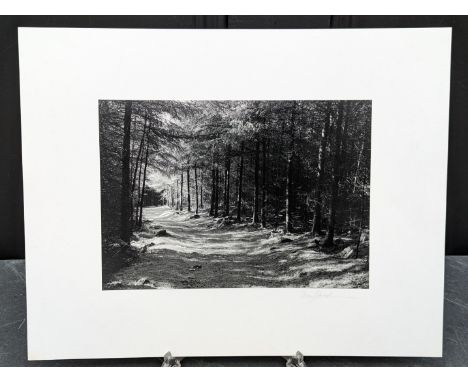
{"x":235,"y":194}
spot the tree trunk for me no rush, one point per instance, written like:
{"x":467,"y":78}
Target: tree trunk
{"x":132,"y":142}
{"x":288,"y":225}
{"x":182,"y":191}
{"x":317,"y":222}
{"x":227,"y":181}
{"x":305,"y":213}
{"x":189,"y":207}
{"x":263,"y":209}
{"x":361,"y":218}
{"x":335,"y":178}
{"x":177,"y":195}
{"x":137,"y":209}
{"x":140,"y":220}
{"x":224,"y":189}
{"x":356,"y":175}
{"x":137,"y":165}
{"x":201,"y":189}
{"x":216,"y":206}
{"x":255,"y":217}
{"x":140,"y":149}
{"x":196,"y":189}
{"x":125,"y":213}
{"x":213,"y":189}
{"x":221,"y":188}
{"x":239,"y":190}
{"x":289,"y":173}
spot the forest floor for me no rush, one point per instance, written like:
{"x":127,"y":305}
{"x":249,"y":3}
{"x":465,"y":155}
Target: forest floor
{"x":177,"y":250}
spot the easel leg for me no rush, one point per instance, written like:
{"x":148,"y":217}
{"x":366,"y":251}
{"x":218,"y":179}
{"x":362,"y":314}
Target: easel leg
{"x":170,"y":361}
{"x":295,"y":361}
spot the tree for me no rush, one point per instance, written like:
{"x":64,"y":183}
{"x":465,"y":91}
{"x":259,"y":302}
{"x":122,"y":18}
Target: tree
{"x":196,"y":189}
{"x":189,"y":208}
{"x":317,"y":222}
{"x":227,"y":180}
{"x":140,"y":221}
{"x":264,"y":176}
{"x":240,"y":179}
{"x":255,"y":217}
{"x":201,"y":188}
{"x":139,"y":190}
{"x":125,"y":229}
{"x":137,"y":167}
{"x":335,"y":176}
{"x":182,"y":191}
{"x":216,"y":196}
{"x":289,"y":170}
{"x":213,"y":188}
{"x":177,"y":195}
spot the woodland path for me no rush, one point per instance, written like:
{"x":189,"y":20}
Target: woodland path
{"x":206,"y":253}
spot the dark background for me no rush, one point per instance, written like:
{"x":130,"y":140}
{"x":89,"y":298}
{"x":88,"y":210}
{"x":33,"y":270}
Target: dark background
{"x":11,"y":185}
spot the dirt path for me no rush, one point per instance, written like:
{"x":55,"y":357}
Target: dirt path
{"x":201,"y":253}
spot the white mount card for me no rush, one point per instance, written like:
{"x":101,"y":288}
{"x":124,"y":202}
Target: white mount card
{"x":234,"y":192}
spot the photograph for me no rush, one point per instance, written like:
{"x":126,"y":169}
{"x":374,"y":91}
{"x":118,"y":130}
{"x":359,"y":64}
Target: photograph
{"x":235,"y":194}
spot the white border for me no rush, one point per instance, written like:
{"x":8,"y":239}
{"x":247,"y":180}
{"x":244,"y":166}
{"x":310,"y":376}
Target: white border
{"x":63,"y":74}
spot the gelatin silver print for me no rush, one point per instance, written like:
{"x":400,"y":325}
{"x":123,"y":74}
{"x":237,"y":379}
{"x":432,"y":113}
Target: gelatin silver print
{"x":235,"y":194}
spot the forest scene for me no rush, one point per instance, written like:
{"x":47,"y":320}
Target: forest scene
{"x":235,"y":194}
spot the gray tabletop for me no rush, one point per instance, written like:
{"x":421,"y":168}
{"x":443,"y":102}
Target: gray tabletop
{"x":13,"y":330}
